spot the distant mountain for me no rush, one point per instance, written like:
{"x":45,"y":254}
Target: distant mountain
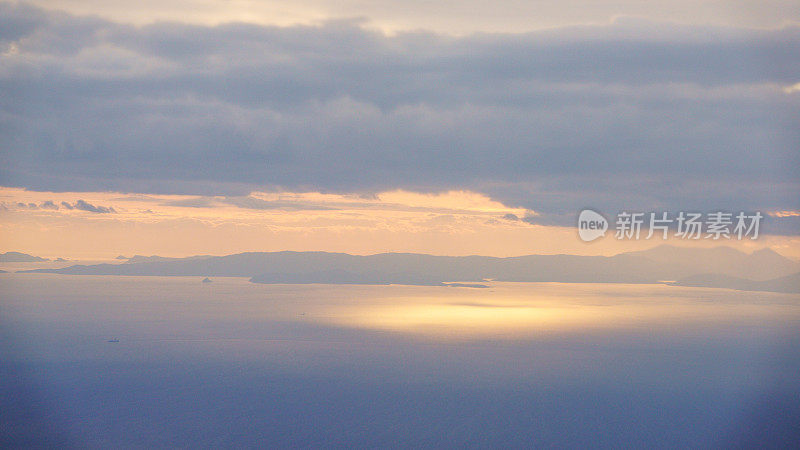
{"x":789,"y":283}
{"x":143,"y":259}
{"x":20,"y":257}
{"x":385,"y":268}
{"x":662,"y":263}
{"x":762,"y":264}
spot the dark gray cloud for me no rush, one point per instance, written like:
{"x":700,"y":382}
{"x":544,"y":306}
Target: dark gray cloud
{"x":85,"y":206}
{"x":634,"y":115}
{"x":48,"y":205}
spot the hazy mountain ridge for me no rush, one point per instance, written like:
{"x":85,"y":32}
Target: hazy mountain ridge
{"x":650,"y":266}
{"x":155,"y":258}
{"x":20,"y":257}
{"x":762,"y":264}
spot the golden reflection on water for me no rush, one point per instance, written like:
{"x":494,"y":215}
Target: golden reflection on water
{"x":516,"y":309}
{"x":470,"y":318}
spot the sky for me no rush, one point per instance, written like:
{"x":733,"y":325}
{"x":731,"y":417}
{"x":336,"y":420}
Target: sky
{"x":179,"y":128}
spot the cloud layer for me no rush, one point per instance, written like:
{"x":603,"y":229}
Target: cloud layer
{"x":633,"y":115}
{"x":449,"y":16}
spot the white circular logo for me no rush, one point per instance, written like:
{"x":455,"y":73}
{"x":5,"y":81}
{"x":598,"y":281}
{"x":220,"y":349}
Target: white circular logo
{"x":591,"y":225}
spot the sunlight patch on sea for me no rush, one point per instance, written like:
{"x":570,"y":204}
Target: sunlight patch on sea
{"x":518,"y":310}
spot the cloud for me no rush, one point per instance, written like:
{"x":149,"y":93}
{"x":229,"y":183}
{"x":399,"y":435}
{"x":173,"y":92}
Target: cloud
{"x":246,"y":202}
{"x":533,"y":220}
{"x":630,"y":115}
{"x":463,"y":16}
{"x":85,"y":206}
{"x":249,"y":202}
{"x":195,"y":202}
{"x":48,"y":205}
{"x":22,"y":205}
{"x":67,"y":205}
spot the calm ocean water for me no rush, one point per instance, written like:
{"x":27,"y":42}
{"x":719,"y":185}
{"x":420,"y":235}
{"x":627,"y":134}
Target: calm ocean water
{"x":104,"y":361}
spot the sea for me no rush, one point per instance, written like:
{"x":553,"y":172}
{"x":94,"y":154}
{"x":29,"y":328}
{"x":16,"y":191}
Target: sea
{"x":133,"y":362}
